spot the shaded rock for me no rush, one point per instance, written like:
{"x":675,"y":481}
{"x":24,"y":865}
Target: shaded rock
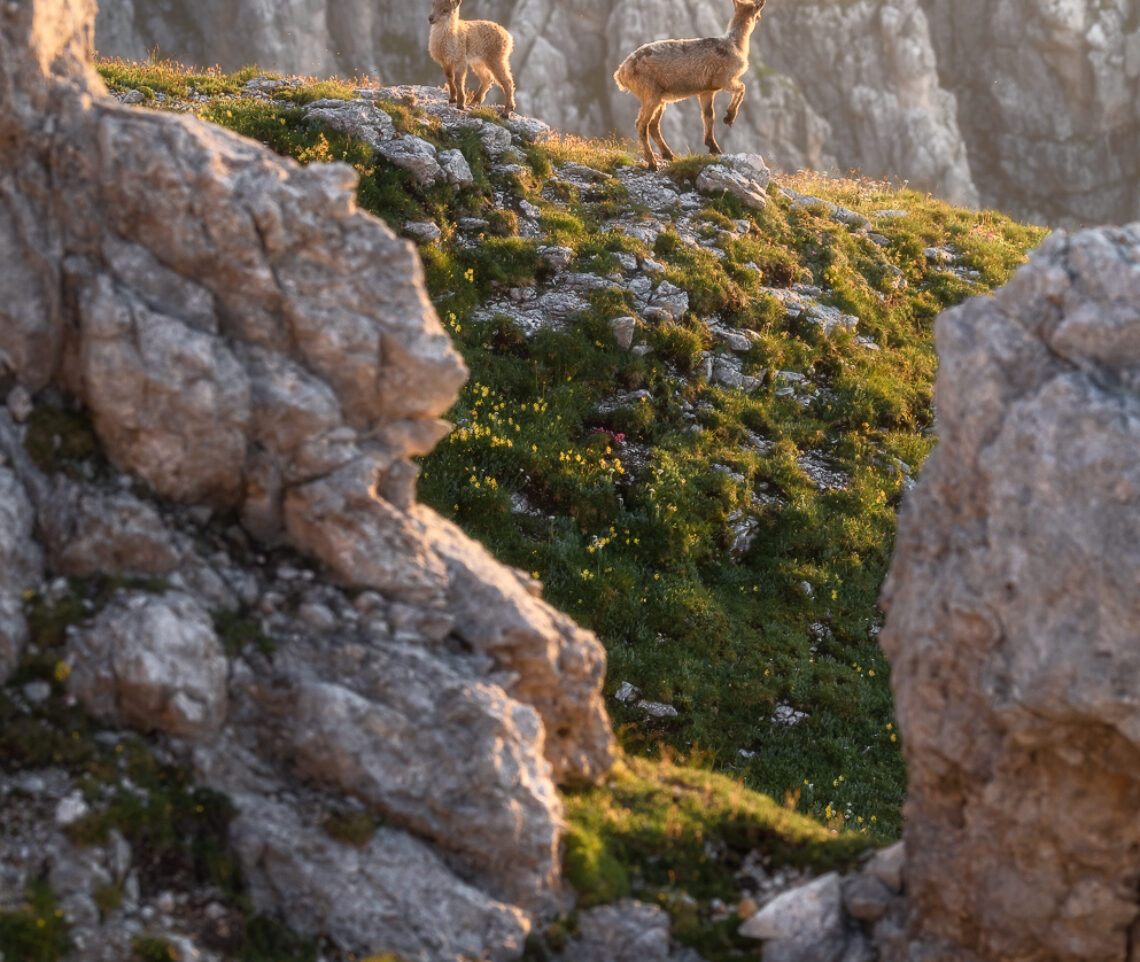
{"x":1013,"y":617}
{"x":453,"y":760}
{"x":364,"y":540}
{"x":21,"y":566}
{"x":866,"y":897}
{"x":887,"y":865}
{"x":151,"y":661}
{"x":623,"y":328}
{"x":89,"y":533}
{"x":804,"y":924}
{"x":19,"y":403}
{"x":169,"y":401}
{"x":627,"y":931}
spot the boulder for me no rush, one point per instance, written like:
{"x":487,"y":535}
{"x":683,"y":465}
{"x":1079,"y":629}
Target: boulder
{"x":1013,"y":616}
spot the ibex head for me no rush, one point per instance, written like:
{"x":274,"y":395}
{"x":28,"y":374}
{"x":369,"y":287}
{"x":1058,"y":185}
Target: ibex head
{"x":749,"y":8}
{"x":442,"y":9}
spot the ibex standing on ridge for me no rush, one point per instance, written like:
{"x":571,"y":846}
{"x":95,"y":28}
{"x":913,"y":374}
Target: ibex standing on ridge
{"x":483,"y":46}
{"x":669,"y":70}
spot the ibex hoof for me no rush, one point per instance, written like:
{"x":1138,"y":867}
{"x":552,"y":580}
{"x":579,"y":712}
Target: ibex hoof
{"x":729,"y":120}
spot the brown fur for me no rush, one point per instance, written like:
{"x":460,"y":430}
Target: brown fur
{"x":483,"y":46}
{"x":666,"y":71}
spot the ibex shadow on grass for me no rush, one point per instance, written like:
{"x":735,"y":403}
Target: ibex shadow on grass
{"x":483,"y":46}
{"x":665,"y":71}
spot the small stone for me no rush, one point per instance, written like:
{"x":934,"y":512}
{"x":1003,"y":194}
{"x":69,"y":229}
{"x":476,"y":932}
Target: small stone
{"x":37,"y":691}
{"x":788,"y":716}
{"x":456,"y":168}
{"x":20,"y":403}
{"x":317,"y":616}
{"x":887,"y":865}
{"x":133,"y":97}
{"x":556,"y":258}
{"x":623,"y":328}
{"x":808,"y":919}
{"x":866,"y":897}
{"x":424,"y":232}
{"x":626,"y":692}
{"x":71,"y":808}
{"x":656,"y":709}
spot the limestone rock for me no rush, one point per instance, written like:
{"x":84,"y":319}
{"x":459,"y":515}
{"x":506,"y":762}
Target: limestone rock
{"x":866,"y":897}
{"x":153,"y":662}
{"x":745,"y":176}
{"x":453,"y":760}
{"x":416,"y":156}
{"x":1048,"y":104}
{"x":361,"y":119}
{"x":1013,"y":617}
{"x":455,"y":168}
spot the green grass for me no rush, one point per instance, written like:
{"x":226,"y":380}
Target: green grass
{"x":633,"y":538}
{"x":630,"y":520}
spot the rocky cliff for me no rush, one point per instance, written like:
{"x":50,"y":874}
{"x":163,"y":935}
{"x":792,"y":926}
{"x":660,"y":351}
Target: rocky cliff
{"x":259,"y":361}
{"x":1028,"y":106}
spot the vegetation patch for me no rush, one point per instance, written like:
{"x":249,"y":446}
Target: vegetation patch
{"x":36,"y":932}
{"x":61,"y":438}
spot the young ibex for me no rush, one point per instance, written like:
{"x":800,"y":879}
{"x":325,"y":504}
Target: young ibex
{"x":483,"y":46}
{"x":670,"y":70}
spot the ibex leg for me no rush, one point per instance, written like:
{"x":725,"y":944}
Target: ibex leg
{"x":708,"y":117}
{"x":655,"y":133}
{"x":502,"y":73}
{"x":460,"y":73}
{"x":643,"y":116}
{"x":485,"y":78}
{"x":737,"y":88}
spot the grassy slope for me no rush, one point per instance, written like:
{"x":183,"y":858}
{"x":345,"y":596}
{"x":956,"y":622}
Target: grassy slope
{"x":633,"y":538}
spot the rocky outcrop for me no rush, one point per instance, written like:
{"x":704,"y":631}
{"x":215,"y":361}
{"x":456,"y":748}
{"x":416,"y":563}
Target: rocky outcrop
{"x":1013,"y":615}
{"x":249,"y":346}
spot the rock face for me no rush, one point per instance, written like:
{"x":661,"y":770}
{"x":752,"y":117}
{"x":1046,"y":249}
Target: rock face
{"x":246,"y":342}
{"x":1013,"y":617}
{"x":1048,"y":103}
